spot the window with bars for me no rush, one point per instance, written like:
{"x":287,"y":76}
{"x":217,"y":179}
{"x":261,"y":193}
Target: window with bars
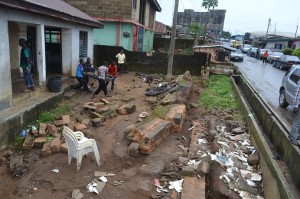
{"x":83,"y":44}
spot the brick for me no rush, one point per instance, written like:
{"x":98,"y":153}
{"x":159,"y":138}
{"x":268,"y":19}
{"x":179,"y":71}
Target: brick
{"x":133,"y":149}
{"x":99,"y":105}
{"x":103,"y":110}
{"x":51,"y":129}
{"x":79,"y":127}
{"x":78,"y":118}
{"x":176,"y":115}
{"x":55,"y":145}
{"x":157,"y":132}
{"x":126,"y":109}
{"x":89,"y":108}
{"x":46,"y":149}
{"x":28,"y":142}
{"x":42,"y":129}
{"x":139,"y":132}
{"x":94,"y":115}
{"x":39,"y":142}
{"x":71,"y":125}
{"x":66,"y":119}
{"x":64,"y":148}
{"x":86,"y":122}
{"x":104,"y":101}
{"x":193,"y":187}
{"x":59,"y":123}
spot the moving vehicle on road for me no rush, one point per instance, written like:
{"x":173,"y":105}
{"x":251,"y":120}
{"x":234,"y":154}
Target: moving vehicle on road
{"x":288,"y":86}
{"x":262,"y":51}
{"x":286,"y":61}
{"x":274,"y":56}
{"x":246,"y":48}
{"x":252,"y":52}
{"x":236,"y":56}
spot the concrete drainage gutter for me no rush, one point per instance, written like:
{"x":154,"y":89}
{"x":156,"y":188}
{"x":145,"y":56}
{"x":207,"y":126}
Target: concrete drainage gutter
{"x":275,"y":184}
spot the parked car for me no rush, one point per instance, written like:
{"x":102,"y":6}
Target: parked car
{"x":246,"y":48}
{"x":252,"y":52}
{"x":262,"y":51}
{"x":274,"y":56}
{"x":286,"y":61}
{"x":236,"y":56}
{"x":288,"y":86}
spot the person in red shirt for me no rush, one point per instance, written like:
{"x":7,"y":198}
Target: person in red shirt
{"x":265,"y":56}
{"x":113,"y":71}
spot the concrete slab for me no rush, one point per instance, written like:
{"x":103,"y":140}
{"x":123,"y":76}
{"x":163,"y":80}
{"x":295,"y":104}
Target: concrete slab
{"x":193,"y":187}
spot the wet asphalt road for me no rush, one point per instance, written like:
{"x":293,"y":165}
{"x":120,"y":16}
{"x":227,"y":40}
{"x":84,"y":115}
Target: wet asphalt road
{"x":266,"y":80}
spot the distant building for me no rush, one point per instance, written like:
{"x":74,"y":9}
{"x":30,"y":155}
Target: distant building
{"x":161,"y":30}
{"x":127,"y":23}
{"x":215,"y":20}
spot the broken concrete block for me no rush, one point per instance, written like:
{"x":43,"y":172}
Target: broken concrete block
{"x":99,"y":105}
{"x":86,"y":122}
{"x":133,"y":149}
{"x":139,"y":132}
{"x":97,"y":122}
{"x":42,"y":130}
{"x":71,"y":125}
{"x":51,"y":129}
{"x":78,"y":118}
{"x":76,"y":194}
{"x":39,"y":142}
{"x":103,"y":110}
{"x":193,"y":188}
{"x":128,"y":130}
{"x":79,"y":127}
{"x":28,"y":142}
{"x":89,"y":108}
{"x":64,"y":148}
{"x":176,"y":115}
{"x":203,"y":168}
{"x":183,"y":160}
{"x":126,"y":109}
{"x":55,"y":145}
{"x":211,"y":135}
{"x":87,"y":133}
{"x":104,"y":101}
{"x":188,"y":171}
{"x":59,"y":122}
{"x":94,"y":115}
{"x":66,"y":119}
{"x":253,"y":159}
{"x":46,"y":149}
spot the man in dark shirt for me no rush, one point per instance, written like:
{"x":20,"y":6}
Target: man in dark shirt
{"x":25,"y":64}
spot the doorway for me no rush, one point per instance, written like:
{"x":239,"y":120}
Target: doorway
{"x":31,"y":44}
{"x":53,"y":50}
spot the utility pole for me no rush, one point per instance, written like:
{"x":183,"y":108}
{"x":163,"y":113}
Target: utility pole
{"x":296,"y":28}
{"x":268,"y":27}
{"x":172,"y":44}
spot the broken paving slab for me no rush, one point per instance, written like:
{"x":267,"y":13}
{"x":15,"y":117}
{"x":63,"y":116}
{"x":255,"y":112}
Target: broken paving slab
{"x":176,"y":115}
{"x":193,"y":187}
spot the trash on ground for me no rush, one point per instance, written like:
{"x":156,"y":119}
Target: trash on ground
{"x":103,"y":179}
{"x":55,"y":170}
{"x":177,"y":185}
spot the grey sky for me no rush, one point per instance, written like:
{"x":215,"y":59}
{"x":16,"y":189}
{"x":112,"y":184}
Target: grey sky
{"x":243,"y":15}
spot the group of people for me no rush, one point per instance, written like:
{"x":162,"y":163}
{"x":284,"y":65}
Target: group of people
{"x":105,"y":73}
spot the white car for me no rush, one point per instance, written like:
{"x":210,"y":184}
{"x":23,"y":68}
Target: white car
{"x":246,"y":48}
{"x":236,"y":56}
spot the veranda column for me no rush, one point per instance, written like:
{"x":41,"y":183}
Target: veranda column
{"x":41,"y":54}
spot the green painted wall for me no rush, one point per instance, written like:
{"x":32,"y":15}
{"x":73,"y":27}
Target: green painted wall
{"x":107,"y":35}
{"x":148,"y":40}
{"x":126,"y":42}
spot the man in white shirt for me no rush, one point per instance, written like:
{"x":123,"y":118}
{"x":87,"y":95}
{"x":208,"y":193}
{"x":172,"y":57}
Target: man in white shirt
{"x":121,"y":61}
{"x":102,"y":71}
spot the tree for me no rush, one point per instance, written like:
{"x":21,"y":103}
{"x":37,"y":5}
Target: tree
{"x":296,"y":52}
{"x":195,"y":31}
{"x":226,"y":34}
{"x":287,"y":51}
{"x":207,"y":4}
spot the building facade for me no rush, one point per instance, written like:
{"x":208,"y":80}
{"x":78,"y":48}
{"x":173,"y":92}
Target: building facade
{"x":58,"y":33}
{"x":215,"y":20}
{"x":127,"y":23}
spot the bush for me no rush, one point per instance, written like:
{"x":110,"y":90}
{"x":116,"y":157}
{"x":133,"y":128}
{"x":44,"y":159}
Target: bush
{"x":187,"y":51}
{"x":287,"y":51}
{"x":296,"y":52}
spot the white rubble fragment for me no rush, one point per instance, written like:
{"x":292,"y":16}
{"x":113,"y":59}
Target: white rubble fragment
{"x":250,"y":183}
{"x":202,"y":141}
{"x":223,"y":143}
{"x":177,"y":185}
{"x":103,"y":179}
{"x":194,"y":162}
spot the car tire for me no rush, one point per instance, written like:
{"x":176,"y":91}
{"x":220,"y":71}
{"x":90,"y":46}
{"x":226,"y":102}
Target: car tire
{"x":274,"y":64}
{"x":282,"y":100}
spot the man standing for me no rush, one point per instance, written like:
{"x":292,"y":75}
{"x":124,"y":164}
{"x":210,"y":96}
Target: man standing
{"x":102,"y":71}
{"x":87,"y":68}
{"x":294,"y":133}
{"x":80,"y":77}
{"x":25,"y":64}
{"x":121,"y":61}
{"x":265,"y":56}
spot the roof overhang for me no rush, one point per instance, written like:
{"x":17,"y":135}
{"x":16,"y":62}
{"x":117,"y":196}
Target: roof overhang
{"x":156,"y":5}
{"x":41,"y":10}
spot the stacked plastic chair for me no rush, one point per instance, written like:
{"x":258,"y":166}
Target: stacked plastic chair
{"x":78,"y":146}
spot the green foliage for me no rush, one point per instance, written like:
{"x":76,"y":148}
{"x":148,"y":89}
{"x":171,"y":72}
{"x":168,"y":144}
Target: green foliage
{"x":53,"y":114}
{"x":218,"y":94}
{"x":207,"y":4}
{"x":18,"y":143}
{"x":187,"y":51}
{"x":226,"y":34}
{"x":287,"y":51}
{"x":296,"y":52}
{"x":195,"y":30}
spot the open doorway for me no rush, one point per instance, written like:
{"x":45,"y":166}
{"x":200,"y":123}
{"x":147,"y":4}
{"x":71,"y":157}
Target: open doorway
{"x":53,"y":50}
{"x":31,"y":44}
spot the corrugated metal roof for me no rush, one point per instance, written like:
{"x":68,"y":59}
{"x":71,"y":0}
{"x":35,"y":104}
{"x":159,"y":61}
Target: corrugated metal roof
{"x":159,"y":27}
{"x":61,"y":6}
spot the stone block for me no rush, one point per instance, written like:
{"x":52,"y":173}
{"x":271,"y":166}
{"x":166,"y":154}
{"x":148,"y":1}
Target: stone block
{"x":133,"y":149}
{"x":193,"y":187}
{"x":176,"y":115}
{"x":97,"y":122}
{"x":59,"y":123}
{"x":42,"y":130}
{"x":89,"y":108}
{"x":51,"y":129}
{"x":99,"y":105}
{"x":183,"y":160}
{"x":66,"y":119}
{"x":46,"y":151}
{"x":188,"y":171}
{"x":94,"y":115}
{"x":71,"y":125}
{"x":39,"y":142}
{"x":79,"y":127}
{"x":64,"y":148}
{"x":103,"y":110}
{"x":126,"y":109}
{"x":203,"y":168}
{"x":28,"y":142}
{"x":106,"y":102}
{"x":79,"y":118}
{"x":55,"y":145}
{"x":86,"y":122}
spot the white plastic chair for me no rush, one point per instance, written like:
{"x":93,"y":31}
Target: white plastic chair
{"x":78,"y":146}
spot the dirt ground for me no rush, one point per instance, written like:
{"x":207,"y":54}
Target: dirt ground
{"x":138,"y":173}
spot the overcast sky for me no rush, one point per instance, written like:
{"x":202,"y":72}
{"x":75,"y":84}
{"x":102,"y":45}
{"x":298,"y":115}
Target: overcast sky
{"x":243,"y":15}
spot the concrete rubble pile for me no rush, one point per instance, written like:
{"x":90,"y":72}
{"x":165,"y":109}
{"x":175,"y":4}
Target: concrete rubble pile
{"x":144,"y":137}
